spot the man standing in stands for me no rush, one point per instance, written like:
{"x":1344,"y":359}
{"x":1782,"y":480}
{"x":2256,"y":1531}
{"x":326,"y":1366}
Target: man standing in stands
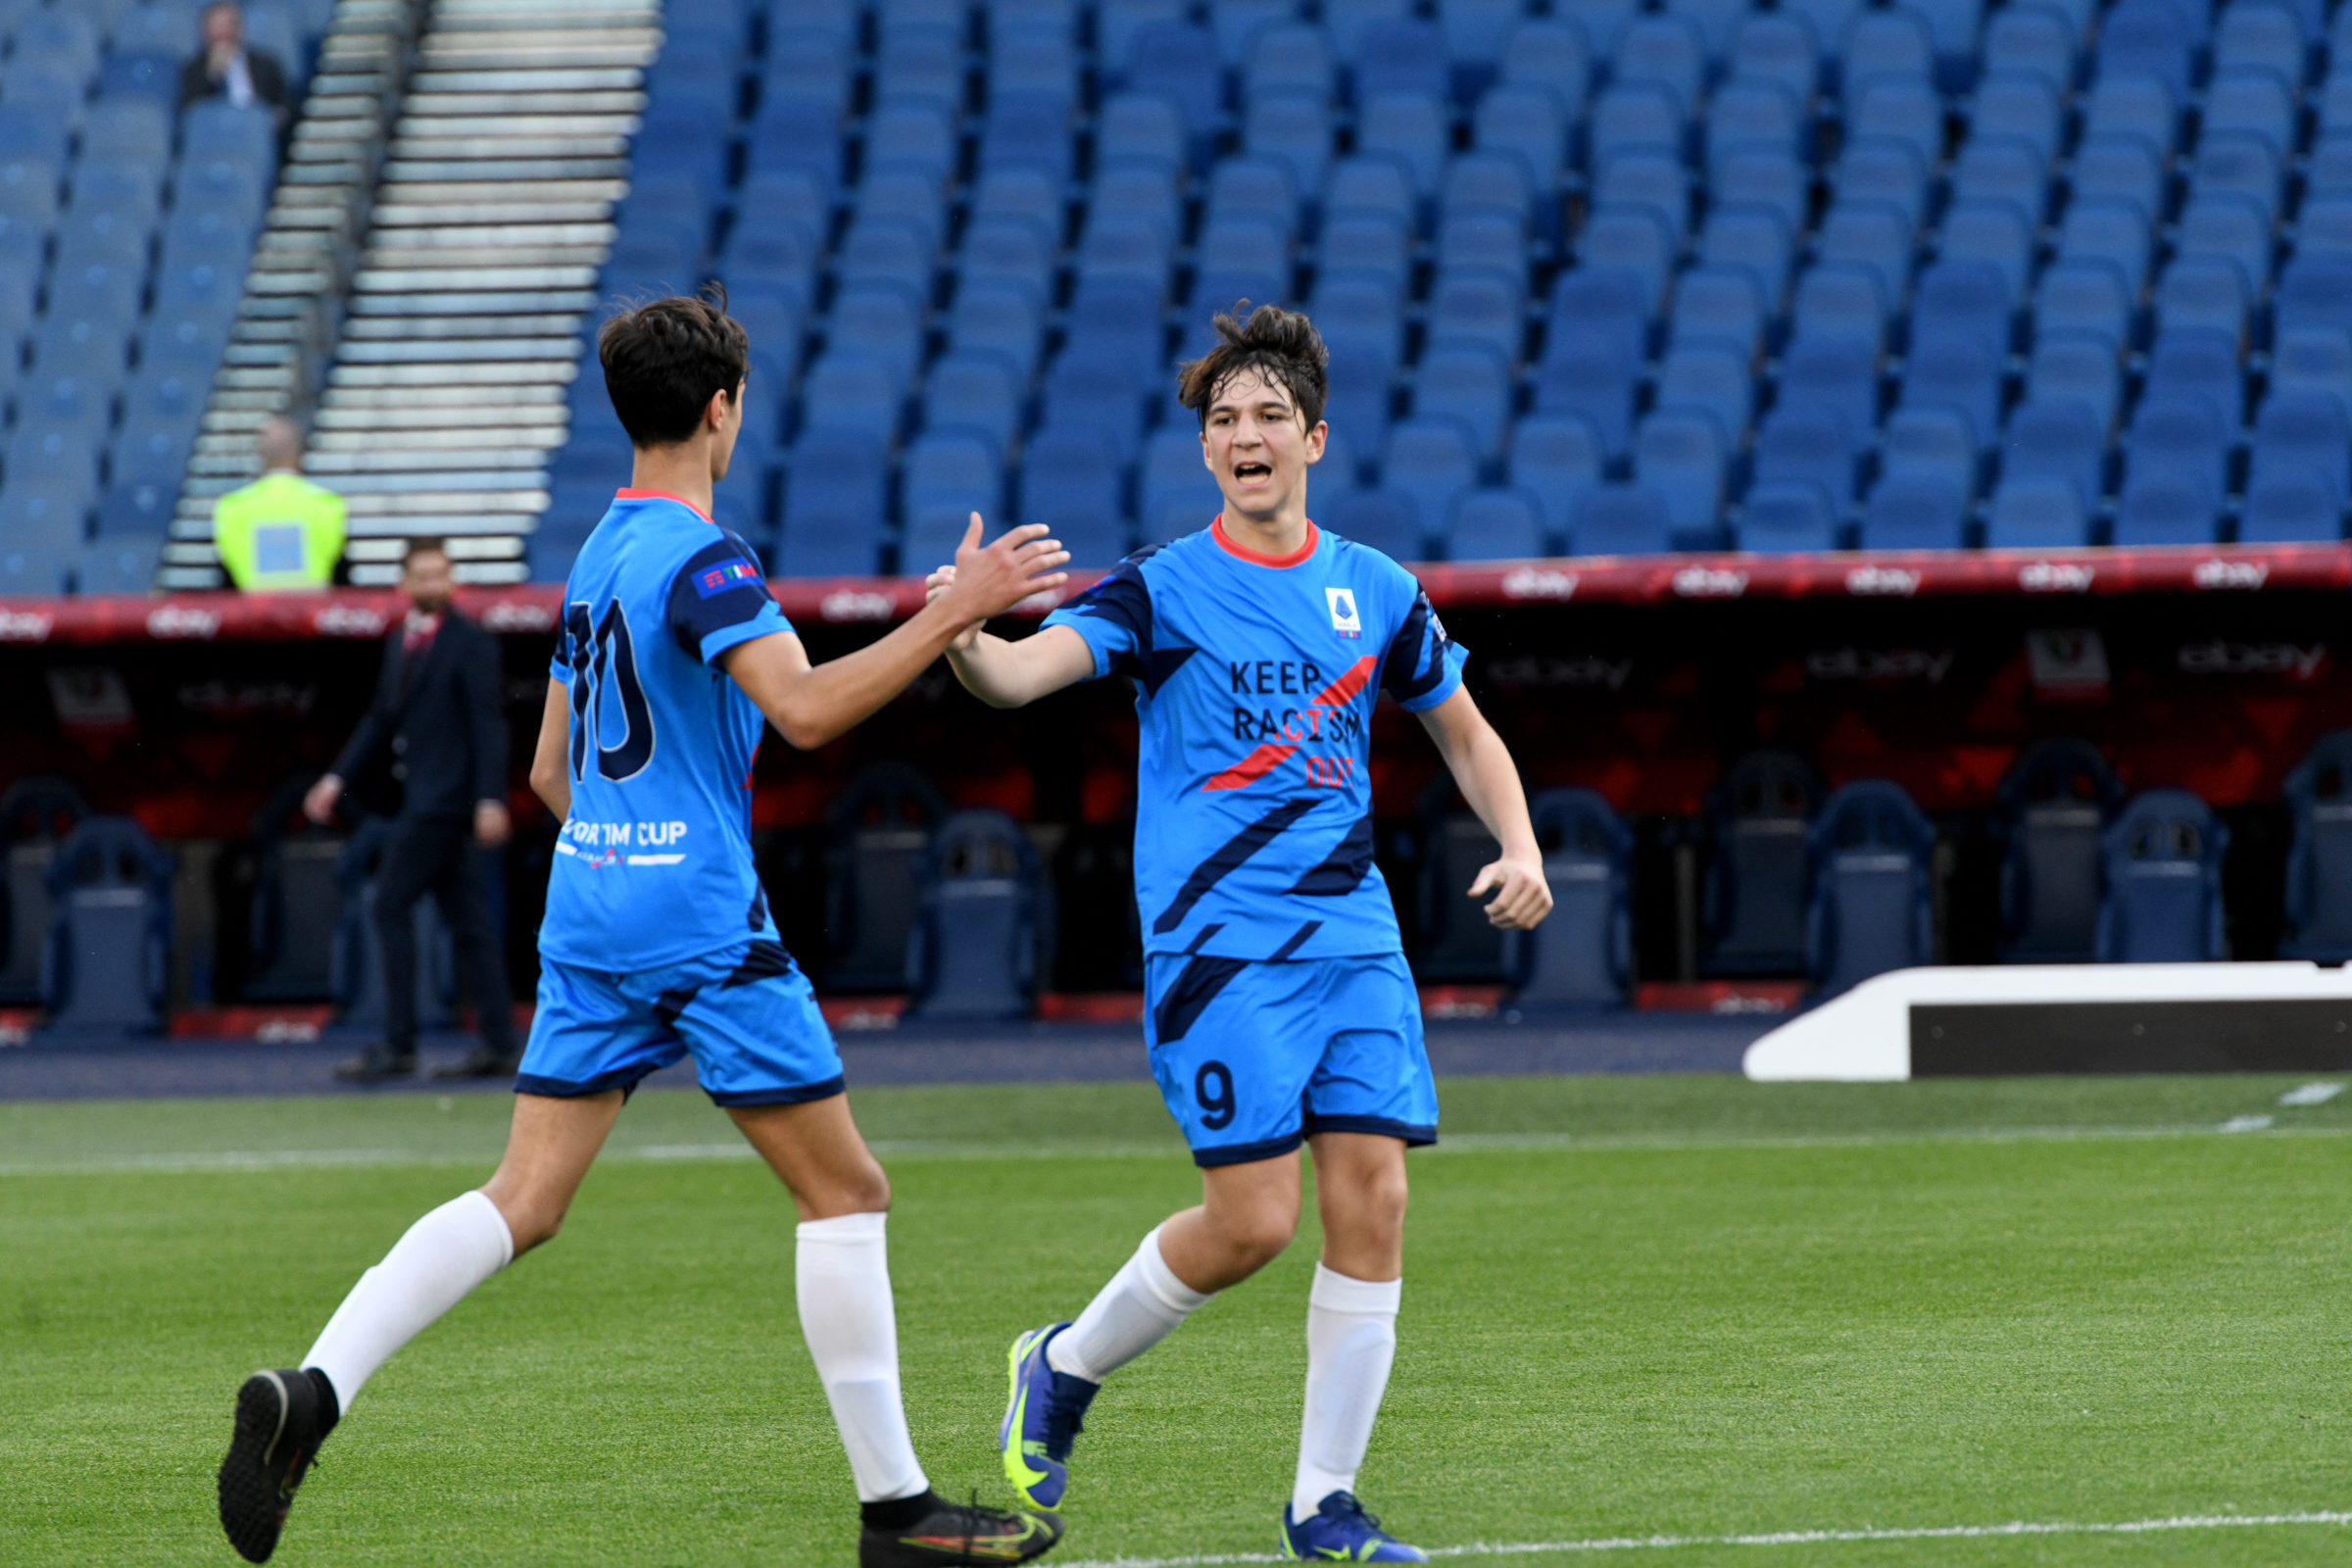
{"x":281,"y":531}
{"x":437,"y":711}
{"x":223,"y":68}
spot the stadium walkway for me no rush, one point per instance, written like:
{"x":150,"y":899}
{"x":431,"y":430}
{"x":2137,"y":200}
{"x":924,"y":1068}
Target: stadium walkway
{"x":53,"y":1068}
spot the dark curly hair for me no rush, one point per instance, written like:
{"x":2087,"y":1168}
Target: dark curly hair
{"x":1282,"y":346}
{"x":663,"y":358}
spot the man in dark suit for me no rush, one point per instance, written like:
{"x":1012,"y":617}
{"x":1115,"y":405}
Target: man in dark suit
{"x":223,"y":68}
{"x":437,"y":711}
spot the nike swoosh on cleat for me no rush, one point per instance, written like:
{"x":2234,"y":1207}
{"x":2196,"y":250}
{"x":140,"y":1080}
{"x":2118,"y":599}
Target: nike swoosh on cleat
{"x":1008,"y":1547}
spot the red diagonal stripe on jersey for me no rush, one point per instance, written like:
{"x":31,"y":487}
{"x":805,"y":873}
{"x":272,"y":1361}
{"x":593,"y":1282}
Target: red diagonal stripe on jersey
{"x":1340,"y":693}
{"x":1250,"y":770}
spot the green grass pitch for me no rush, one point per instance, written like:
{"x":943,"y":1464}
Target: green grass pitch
{"x":1634,"y":1306}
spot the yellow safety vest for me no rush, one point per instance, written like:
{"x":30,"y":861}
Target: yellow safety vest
{"x":280,"y":532}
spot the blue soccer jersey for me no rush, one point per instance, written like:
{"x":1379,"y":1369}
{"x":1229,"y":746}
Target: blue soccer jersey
{"x":654,"y":866}
{"x":1255,"y":680}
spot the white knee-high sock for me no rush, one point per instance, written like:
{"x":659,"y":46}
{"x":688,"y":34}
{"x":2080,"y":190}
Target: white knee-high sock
{"x":1350,"y":1344}
{"x":841,"y":1276}
{"x":428,"y":1271}
{"x":1140,"y":1306}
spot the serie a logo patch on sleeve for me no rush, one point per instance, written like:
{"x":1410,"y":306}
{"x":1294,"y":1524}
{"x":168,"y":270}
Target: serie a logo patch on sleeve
{"x":726,"y":574}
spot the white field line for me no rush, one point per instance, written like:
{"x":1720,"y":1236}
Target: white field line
{"x":1783,"y":1538}
{"x":909,"y":1150}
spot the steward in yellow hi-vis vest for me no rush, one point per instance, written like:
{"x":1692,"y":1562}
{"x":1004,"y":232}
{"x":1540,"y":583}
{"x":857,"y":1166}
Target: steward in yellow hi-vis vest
{"x":281,"y":531}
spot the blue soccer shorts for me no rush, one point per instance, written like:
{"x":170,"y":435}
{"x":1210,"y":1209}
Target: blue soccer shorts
{"x":1253,"y":1057}
{"x":746,"y":1013}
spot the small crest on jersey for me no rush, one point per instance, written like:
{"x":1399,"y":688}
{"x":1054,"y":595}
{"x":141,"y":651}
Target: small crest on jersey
{"x":1343,"y":618}
{"x":726,"y":574}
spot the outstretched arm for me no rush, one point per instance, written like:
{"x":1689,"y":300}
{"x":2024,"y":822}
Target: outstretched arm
{"x":1014,"y":675}
{"x":1482,"y":767}
{"x":811,"y":704}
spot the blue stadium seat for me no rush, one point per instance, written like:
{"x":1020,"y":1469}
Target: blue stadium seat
{"x":2324,"y":226}
{"x":1143,"y":128}
{"x":2134,"y":104}
{"x":1294,"y":127}
{"x":1721,"y":306}
{"x":39,"y":567}
{"x":1496,"y":181}
{"x":1172,"y":474}
{"x":1752,"y":238}
{"x":1469,"y":381}
{"x":1028,"y":131}
{"x":2303,"y":434}
{"x":2181,"y":437}
{"x":882,"y":321}
{"x":1710,"y":380}
{"x":973,"y":951}
{"x":2165,"y":510}
{"x":1681,"y":454}
{"x":2031,"y":38}
{"x":1401,"y":54}
{"x":2023,"y":107}
{"x":2145,"y":38}
{"x":1123,"y":245}
{"x":974,"y":391}
{"x":1242,"y":257}
{"x":2080,"y":367}
{"x":1756,"y":895}
{"x":1872,"y":910}
{"x":1634,"y":117}
{"x":2207,"y":294}
{"x":2083,"y":297}
{"x":1494,"y":524}
{"x":1525,"y":122}
{"x":2198,"y":364}
{"x":2294,"y":509}
{"x":1582,"y":956}
{"x":1746,"y":115}
{"x":944,"y":479}
{"x":1474,"y":33}
{"x":1602,"y":22}
{"x":1874,"y":235}
{"x":1117,"y":21}
{"x":1432,"y":460}
{"x":2253,"y":35}
{"x":1961,"y":298}
{"x":1663,"y":51}
{"x":1384,"y":519}
{"x":1995,"y":232}
{"x":1635,"y":242}
{"x":1773,"y":183}
{"x":1645,"y":179}
{"x":1883,"y":170}
{"x":1237,"y":22}
{"x":1376,"y":243}
{"x":1839,"y":301}
{"x":1798,"y":444}
{"x":132,"y":511}
{"x":833,"y":507}
{"x":2055,"y":804}
{"x":2313,"y":292}
{"x":2163,"y":862}
{"x":1070,"y":481}
{"x":2057,"y":439}
{"x":906,"y":195}
{"x":1358,"y":310}
{"x":1621,"y":519}
{"x":2319,"y":861}
{"x":2120,"y":166}
{"x":1933,"y":443}
{"x":1780,"y":517}
{"x":2036,"y":513}
{"x":852,"y":392}
{"x":1717,"y":22}
{"x":1483,"y":307}
{"x":2254,"y":101}
{"x":2239,"y":163}
{"x":1590,"y":377}
{"x":1031,"y":60}
{"x":108,"y":964}
{"x":811,"y":66}
{"x":1245,"y":187}
{"x":919,"y":65}
{"x":1831,"y":373}
{"x":1140,"y":190}
{"x":1913,"y":514}
{"x":1555,"y":458}
{"x":1093,"y":388}
{"x":1554,"y":53}
{"x":1359,"y":401}
{"x":915,"y":135}
{"x":118,"y":563}
{"x":2313,"y":359}
{"x":1778,"y":46}
{"x":1961,"y":373}
{"x":1898,"y":110}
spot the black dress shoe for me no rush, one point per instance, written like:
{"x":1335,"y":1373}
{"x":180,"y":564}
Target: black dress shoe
{"x":376,"y":1065}
{"x":481,"y":1063}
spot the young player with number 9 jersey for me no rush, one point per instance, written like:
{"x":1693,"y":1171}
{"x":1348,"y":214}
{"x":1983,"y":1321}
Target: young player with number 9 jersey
{"x":1278,"y":1007}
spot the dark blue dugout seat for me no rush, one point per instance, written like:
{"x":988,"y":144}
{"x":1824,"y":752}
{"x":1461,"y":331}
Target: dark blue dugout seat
{"x":1581,"y":955}
{"x":109,"y":961}
{"x":1456,"y":942}
{"x":37,"y":814}
{"x":2055,"y":801}
{"x":2164,"y":882}
{"x":2319,"y":861}
{"x":879,"y":829}
{"x":1872,"y":910}
{"x":974,"y":949}
{"x":1756,"y":891}
{"x":357,"y":972}
{"x":291,"y":929}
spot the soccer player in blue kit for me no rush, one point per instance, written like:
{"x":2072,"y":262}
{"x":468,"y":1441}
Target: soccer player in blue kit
{"x":657,"y":943}
{"x":1278,"y":1009}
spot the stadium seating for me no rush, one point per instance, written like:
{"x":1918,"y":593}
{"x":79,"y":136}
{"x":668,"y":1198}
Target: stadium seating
{"x":2055,"y":803}
{"x":973,"y":951}
{"x":1581,"y":955}
{"x":2163,"y":903}
{"x":1259,"y":149}
{"x":2319,"y":861}
{"x":1871,"y":908}
{"x":291,"y":929}
{"x":879,"y":827}
{"x":107,"y":965}
{"x":1758,"y":887}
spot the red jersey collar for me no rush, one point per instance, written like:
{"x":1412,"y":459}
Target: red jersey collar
{"x":661,"y":495}
{"x":1255,"y":558}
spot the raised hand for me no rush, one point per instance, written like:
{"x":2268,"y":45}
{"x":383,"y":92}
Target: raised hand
{"x":1521,"y":897}
{"x":939,"y":582}
{"x":988,"y":580}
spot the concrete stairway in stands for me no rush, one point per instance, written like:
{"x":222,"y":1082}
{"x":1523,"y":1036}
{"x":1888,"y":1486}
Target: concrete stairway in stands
{"x":494,"y":213}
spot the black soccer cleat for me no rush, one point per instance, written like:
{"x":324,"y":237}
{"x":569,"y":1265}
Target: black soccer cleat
{"x":281,"y":1419}
{"x":955,"y":1534}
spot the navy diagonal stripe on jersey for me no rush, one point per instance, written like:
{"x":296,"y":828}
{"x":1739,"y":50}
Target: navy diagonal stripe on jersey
{"x":1195,"y":989}
{"x":1231,"y":854}
{"x":1404,"y":678}
{"x":1342,"y":870}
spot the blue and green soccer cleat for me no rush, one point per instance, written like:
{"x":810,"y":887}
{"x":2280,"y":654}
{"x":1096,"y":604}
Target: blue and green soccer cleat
{"x":1339,"y":1530}
{"x":1043,"y":1414}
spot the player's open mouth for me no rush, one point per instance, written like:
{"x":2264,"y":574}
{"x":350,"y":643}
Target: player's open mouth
{"x":1249,"y":473}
